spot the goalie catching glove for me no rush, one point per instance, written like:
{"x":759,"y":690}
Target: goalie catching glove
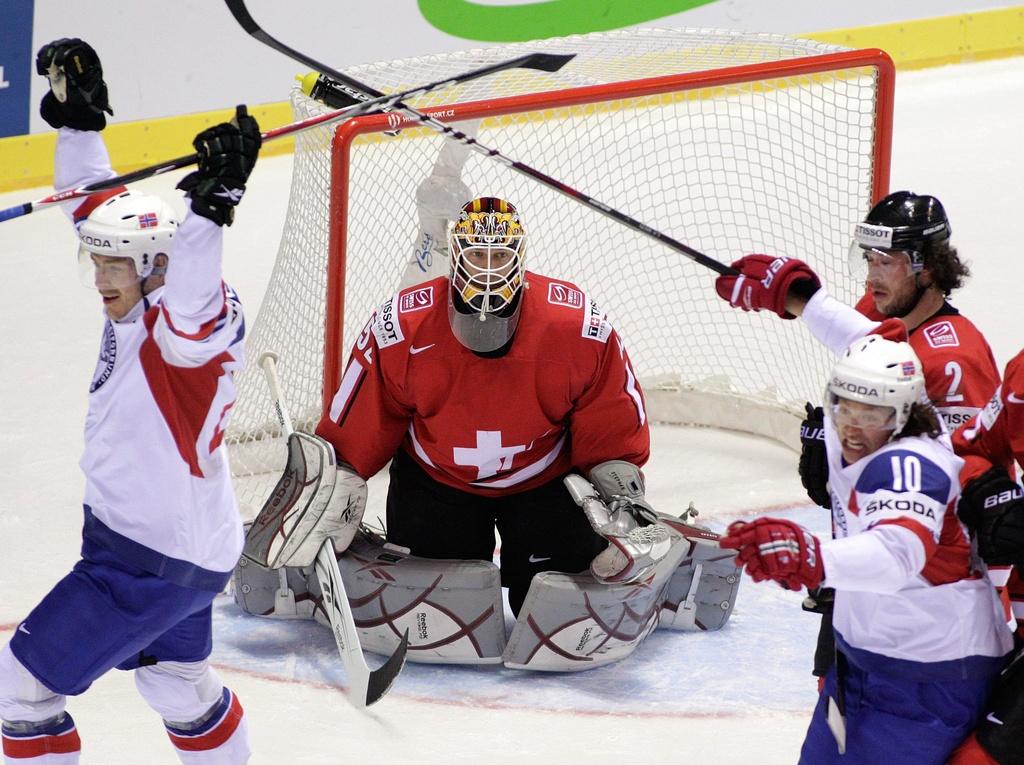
{"x":613,"y":501}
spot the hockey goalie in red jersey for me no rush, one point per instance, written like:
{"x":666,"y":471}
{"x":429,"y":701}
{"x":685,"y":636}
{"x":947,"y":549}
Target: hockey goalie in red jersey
{"x":485,"y":389}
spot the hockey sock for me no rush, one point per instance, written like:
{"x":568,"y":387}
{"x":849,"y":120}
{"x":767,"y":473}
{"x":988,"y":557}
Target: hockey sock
{"x":50,"y":742}
{"x":222,"y":735}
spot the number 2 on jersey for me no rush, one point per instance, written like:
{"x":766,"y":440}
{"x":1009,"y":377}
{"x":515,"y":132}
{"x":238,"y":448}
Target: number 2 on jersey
{"x":953,"y":370}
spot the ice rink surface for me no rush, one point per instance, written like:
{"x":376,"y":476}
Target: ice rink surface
{"x":738,"y":695}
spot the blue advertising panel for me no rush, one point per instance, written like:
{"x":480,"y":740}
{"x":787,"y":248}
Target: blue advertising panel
{"x":16,"y":62}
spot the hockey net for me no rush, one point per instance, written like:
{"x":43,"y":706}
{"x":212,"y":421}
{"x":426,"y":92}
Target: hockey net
{"x":730,"y":142}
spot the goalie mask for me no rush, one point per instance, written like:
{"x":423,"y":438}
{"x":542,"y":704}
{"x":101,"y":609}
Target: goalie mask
{"x":487,"y":245}
{"x":881,"y":373}
{"x":130,"y":225}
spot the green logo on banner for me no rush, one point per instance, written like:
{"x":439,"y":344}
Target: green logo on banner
{"x":554,"y":18}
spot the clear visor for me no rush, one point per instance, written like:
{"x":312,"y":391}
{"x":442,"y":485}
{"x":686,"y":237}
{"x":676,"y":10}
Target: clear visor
{"x":854,"y":414}
{"x":104,"y":271}
{"x":863,"y":261}
{"x":488,"y":277}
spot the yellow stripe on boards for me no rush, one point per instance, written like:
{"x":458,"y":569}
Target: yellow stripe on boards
{"x":27,"y":161}
{"x":934,"y":42}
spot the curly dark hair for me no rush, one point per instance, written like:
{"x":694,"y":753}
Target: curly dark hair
{"x":944,"y":265}
{"x":923,"y":421}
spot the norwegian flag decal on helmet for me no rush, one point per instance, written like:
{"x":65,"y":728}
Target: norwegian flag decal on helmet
{"x":147,"y":220}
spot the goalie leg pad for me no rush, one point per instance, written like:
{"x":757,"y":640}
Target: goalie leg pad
{"x":571,"y":622}
{"x":702,"y":591}
{"x":452,"y":608}
{"x":256,"y":590}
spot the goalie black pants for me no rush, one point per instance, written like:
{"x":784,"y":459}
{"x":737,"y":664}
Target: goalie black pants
{"x":541,"y":529}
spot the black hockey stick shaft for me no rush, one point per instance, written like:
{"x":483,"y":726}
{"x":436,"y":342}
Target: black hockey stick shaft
{"x":245,"y":19}
{"x":378,"y":103}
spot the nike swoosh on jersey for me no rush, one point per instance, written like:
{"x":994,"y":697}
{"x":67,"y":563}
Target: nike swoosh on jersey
{"x":1012,"y":398}
{"x":22,"y":628}
{"x":414,"y":350}
{"x":535,"y":559}
{"x":992,"y":718}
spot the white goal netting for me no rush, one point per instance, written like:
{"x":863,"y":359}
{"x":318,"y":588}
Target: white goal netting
{"x":730,"y":142}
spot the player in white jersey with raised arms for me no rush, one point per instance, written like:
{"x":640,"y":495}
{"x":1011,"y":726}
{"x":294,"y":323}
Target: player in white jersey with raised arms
{"x":919,"y":630}
{"x":162,"y":531}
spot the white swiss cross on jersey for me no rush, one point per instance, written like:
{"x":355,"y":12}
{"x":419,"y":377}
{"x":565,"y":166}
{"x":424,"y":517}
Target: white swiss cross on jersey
{"x":488,"y":456}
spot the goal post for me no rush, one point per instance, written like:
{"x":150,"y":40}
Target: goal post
{"x":730,"y":142}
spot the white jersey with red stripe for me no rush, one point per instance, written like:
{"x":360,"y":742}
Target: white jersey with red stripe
{"x":155,"y":469}
{"x":901,"y":561}
{"x":563,"y":396}
{"x":157,"y":483}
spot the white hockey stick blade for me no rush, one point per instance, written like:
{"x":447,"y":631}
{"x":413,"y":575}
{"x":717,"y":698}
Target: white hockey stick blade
{"x":366,"y":686}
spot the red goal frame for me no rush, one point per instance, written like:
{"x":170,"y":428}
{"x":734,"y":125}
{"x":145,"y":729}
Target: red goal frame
{"x":348,"y":131}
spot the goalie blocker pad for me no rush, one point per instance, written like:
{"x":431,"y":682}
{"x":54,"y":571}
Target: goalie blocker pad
{"x":702,"y":591}
{"x":296,"y":503}
{"x":571,"y":622}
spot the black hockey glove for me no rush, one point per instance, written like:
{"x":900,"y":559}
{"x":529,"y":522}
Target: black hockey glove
{"x":227,"y":154}
{"x":992,"y":506}
{"x":78,"y":94}
{"x":813,"y":460}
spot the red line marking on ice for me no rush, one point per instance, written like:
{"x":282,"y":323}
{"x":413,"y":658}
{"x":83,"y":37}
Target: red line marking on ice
{"x":474,"y":702}
{"x":762,"y":510}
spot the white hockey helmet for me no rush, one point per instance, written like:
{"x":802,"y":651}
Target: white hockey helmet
{"x":879,"y":372}
{"x":487,"y":246}
{"x":131,"y":224}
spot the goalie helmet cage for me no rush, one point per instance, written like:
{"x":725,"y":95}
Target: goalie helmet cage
{"x":730,"y":142}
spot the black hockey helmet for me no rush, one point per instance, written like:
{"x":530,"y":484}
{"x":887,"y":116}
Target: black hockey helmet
{"x":904,"y":221}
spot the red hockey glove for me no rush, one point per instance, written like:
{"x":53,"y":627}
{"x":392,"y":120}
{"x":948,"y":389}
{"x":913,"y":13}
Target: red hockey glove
{"x":764,"y":282}
{"x":892,"y":329}
{"x":776,"y":549}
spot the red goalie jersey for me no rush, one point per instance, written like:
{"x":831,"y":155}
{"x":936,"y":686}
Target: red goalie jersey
{"x":563,"y":396}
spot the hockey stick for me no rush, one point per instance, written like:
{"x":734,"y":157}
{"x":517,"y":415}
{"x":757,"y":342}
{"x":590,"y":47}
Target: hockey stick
{"x":542,"y":61}
{"x":366,"y":686}
{"x":242,"y":16}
